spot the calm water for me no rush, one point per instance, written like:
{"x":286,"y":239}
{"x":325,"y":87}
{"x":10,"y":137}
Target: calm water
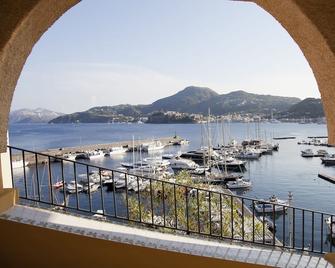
{"x":278,"y":174}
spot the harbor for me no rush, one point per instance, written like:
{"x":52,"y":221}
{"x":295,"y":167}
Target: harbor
{"x":256,"y":179}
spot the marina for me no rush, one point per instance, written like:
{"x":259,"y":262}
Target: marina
{"x":260,"y":169}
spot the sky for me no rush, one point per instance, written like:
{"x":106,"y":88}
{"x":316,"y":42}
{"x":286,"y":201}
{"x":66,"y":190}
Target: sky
{"x":111,"y":52}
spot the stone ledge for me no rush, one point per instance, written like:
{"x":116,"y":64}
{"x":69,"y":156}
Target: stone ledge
{"x":223,"y":250}
{"x":8,"y":198}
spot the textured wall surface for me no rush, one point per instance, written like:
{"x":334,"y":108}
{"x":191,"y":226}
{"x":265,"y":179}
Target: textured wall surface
{"x":311,"y":23}
{"x":30,"y":246}
{"x":22,"y":22}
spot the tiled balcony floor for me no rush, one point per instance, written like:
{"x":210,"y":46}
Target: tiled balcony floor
{"x":154,"y":239}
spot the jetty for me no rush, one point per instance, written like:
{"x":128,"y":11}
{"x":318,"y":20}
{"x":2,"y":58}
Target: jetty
{"x":59,"y":152}
{"x":327,"y":177}
{"x":285,"y":138}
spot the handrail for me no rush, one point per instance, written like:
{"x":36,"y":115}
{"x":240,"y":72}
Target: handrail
{"x":175,"y":206}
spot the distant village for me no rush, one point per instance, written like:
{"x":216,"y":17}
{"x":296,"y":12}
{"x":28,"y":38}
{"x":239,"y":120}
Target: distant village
{"x":173,"y":117}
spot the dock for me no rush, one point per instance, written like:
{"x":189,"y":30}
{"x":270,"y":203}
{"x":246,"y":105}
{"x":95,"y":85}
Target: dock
{"x":327,"y":177}
{"x":59,"y":152}
{"x":285,"y":138}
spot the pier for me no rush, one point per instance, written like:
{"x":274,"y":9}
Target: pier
{"x":59,"y":152}
{"x":327,"y":177}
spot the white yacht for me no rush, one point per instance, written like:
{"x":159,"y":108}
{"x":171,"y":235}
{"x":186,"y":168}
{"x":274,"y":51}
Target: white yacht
{"x":328,"y":160}
{"x":249,"y":154}
{"x":307,"y":153}
{"x":71,"y":188}
{"x":156,"y":162}
{"x":273,"y":204}
{"x":181,"y":142}
{"x":95,"y":154}
{"x":181,"y":163}
{"x":238,"y":184}
{"x":152,"y":146}
{"x":116,"y":150}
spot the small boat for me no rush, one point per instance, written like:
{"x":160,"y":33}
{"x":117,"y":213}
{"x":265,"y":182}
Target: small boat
{"x":153,"y":146}
{"x":248,"y":154}
{"x":322,"y":153}
{"x":184,"y":164}
{"x":232,"y":164}
{"x":72,"y":187}
{"x":69,"y":156}
{"x":328,"y":160}
{"x":116,"y":150}
{"x":238,"y":184}
{"x":58,"y":184}
{"x":307,"y":153}
{"x":95,"y":154}
{"x":19,"y":164}
{"x":273,"y":204}
{"x":181,"y":142}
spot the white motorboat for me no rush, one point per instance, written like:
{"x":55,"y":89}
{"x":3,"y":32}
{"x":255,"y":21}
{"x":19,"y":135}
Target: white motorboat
{"x":70,"y":156}
{"x":152,"y":146}
{"x":181,"y":142}
{"x":156,"y":162}
{"x":231,"y":164}
{"x":238,"y":184}
{"x":95,"y":154}
{"x":322,"y":153}
{"x":19,"y":164}
{"x":71,"y":187}
{"x":181,"y":163}
{"x":273,"y":204}
{"x":328,"y":160}
{"x":116,"y":150}
{"x":307,"y":153}
{"x":249,"y":154}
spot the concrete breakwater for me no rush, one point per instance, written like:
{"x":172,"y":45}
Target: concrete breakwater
{"x":59,"y":152}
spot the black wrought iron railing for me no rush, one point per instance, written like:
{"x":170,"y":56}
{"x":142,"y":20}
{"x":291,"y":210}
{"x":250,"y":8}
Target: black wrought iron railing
{"x":164,"y":203}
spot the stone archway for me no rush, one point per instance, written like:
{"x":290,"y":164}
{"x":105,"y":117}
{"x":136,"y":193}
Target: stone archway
{"x":309,"y":22}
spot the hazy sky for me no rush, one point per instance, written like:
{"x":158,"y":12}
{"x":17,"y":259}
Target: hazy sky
{"x":110,"y":52}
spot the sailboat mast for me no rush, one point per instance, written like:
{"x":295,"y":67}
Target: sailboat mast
{"x":223,"y":144}
{"x":133,"y":151}
{"x":209,"y":137}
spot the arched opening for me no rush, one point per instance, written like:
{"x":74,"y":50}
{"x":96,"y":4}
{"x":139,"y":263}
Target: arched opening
{"x":16,"y":63}
{"x":28,"y":26}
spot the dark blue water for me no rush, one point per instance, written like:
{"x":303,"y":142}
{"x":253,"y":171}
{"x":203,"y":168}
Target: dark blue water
{"x":278,"y":174}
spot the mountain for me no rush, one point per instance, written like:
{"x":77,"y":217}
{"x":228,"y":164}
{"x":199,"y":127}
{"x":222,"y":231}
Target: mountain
{"x":309,"y":108}
{"x":38,"y":115}
{"x":244,"y":102}
{"x":189,"y":100}
{"x":101,"y":114}
{"x":190,"y":96}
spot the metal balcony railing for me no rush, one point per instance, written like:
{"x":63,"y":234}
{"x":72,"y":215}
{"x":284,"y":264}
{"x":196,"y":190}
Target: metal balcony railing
{"x":163,"y":203}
